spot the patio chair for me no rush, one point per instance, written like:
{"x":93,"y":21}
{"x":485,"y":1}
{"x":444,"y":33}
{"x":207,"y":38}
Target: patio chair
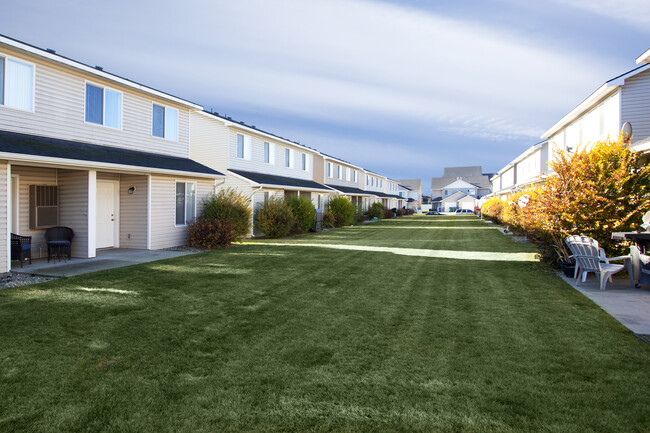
{"x":21,"y":248}
{"x":590,"y":257}
{"x":59,"y":242}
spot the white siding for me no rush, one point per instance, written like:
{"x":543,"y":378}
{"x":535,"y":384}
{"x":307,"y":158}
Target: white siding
{"x":256,"y":162}
{"x":529,"y":167}
{"x":59,"y":111}
{"x":164,"y":232}
{"x":133,"y":211}
{"x":334,"y":180}
{"x":209,"y":141}
{"x":73,"y":208}
{"x":4,"y":222}
{"x":508,"y":178}
{"x":635,"y":104}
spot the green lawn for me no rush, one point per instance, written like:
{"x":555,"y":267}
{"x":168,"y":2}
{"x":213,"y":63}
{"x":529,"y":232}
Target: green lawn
{"x":297,"y":338}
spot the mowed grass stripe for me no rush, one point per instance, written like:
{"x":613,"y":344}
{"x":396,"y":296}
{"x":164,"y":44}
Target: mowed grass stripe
{"x":264,"y":338}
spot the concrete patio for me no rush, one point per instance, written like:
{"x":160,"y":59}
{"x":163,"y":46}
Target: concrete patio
{"x":106,"y":259}
{"x":627,"y":304}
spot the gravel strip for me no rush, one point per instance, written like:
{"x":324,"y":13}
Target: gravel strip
{"x":16,"y":279}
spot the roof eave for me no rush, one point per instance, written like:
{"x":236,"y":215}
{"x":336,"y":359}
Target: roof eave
{"x":644,"y":58}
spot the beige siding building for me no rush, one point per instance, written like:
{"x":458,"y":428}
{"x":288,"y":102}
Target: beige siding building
{"x":85,"y":149}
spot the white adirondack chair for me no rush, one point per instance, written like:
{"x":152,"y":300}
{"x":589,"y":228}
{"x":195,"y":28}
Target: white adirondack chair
{"x":590,"y":257}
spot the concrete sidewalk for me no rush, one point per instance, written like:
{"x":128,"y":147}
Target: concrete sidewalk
{"x":627,"y":304}
{"x":106,"y":259}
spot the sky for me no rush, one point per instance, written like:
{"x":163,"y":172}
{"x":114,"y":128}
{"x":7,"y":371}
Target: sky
{"x":402,"y":88}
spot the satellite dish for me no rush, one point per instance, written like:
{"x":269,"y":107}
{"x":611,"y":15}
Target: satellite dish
{"x":626,"y":131}
{"x":523,"y":200}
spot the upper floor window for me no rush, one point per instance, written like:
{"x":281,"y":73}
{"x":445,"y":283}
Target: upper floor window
{"x":347,"y":174}
{"x":304,"y":162}
{"x":339,"y":175}
{"x":354,"y":176}
{"x":103,"y":106}
{"x":164,"y":122}
{"x":288,"y":157}
{"x":16,"y":84}
{"x":185,"y":202}
{"x":330,"y":173}
{"x":269,"y":153}
{"x":243,"y":146}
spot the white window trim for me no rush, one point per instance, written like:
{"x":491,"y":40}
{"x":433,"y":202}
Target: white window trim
{"x":176,"y":181}
{"x":330,"y":170}
{"x":103,"y":124}
{"x":33,"y":65}
{"x":151,"y":128}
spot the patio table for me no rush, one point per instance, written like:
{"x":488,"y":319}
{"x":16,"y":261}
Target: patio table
{"x":642,"y":240}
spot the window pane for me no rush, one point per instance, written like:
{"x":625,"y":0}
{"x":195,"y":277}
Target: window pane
{"x":94,"y":104}
{"x":240,"y":146}
{"x":19,"y":92}
{"x":171,"y":124}
{"x":113,"y":108}
{"x":266,"y":151}
{"x":287,"y":158}
{"x":2,"y":80}
{"x":180,"y":203}
{"x":304,"y":161}
{"x":158,"y":121}
{"x":190,"y":199}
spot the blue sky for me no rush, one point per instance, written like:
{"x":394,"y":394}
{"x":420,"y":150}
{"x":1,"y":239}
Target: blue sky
{"x":403,"y":88}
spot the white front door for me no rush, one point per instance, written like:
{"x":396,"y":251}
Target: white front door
{"x":107,"y":207}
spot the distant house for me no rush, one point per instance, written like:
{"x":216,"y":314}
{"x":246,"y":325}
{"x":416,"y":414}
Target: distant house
{"x":414,"y":194}
{"x":459,"y":188}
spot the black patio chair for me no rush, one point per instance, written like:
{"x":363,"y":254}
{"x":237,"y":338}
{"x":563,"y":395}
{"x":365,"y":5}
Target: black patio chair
{"x":59,"y":242}
{"x":21,"y":248}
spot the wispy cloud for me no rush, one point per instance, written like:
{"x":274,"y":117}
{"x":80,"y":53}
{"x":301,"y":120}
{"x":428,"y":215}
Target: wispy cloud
{"x":634,"y":12}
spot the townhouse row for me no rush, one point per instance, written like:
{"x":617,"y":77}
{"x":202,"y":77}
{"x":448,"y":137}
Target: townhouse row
{"x":621,"y":104}
{"x":125,"y":165}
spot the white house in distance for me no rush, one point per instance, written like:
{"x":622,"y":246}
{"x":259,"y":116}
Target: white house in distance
{"x":105,"y":156}
{"x":529,"y":168}
{"x":414,"y":193}
{"x":459,"y":188}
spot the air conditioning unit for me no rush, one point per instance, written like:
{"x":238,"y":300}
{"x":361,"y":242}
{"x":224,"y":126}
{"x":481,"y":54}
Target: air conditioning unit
{"x":43,"y":206}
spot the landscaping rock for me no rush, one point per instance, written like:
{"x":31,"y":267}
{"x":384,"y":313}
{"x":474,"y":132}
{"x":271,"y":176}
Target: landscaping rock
{"x":16,"y":279}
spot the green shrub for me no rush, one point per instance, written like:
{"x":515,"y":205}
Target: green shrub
{"x":304,"y":212}
{"x":376,"y":210}
{"x":232,"y":206}
{"x":343,"y":210}
{"x":275,"y":218}
{"x":360,"y":216}
{"x":208,"y":233}
{"x":328,"y":220}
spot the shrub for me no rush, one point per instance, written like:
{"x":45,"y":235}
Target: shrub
{"x":304,"y":212}
{"x":360,"y":215}
{"x":328,"y":220}
{"x":493,"y":210}
{"x":275,"y":218}
{"x":410,"y":211}
{"x":376,"y":210}
{"x":388,"y":214}
{"x":345,"y":210}
{"x":232,"y":206}
{"x":402,"y":212}
{"x":209,"y":233}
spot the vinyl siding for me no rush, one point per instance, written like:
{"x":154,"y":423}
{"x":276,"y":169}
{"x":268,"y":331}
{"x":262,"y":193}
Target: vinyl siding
{"x":4,"y":222}
{"x":133,"y":211}
{"x":32,"y":176}
{"x":334,"y":180}
{"x":209,"y":141}
{"x":257,"y":164}
{"x":319,"y":169}
{"x":73,"y":208}
{"x":635,"y":104}
{"x":164,"y":232}
{"x":59,"y":111}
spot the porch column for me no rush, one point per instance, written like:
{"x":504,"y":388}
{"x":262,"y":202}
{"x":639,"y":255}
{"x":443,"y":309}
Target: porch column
{"x":92,"y":213}
{"x":5,"y":216}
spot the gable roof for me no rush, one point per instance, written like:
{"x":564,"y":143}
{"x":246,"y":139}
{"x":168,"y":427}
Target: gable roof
{"x":15,"y":145}
{"x":460,"y":183}
{"x":264,"y":179}
{"x":411,"y":184}
{"x":469,"y":171}
{"x":456,"y":196}
{"x":97,"y":70}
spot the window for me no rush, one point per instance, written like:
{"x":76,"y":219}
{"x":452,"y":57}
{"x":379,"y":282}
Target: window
{"x":43,"y":206}
{"x":185,"y":202}
{"x":329,"y":170}
{"x":354,"y":176}
{"x":304,"y":162}
{"x":16,"y":84}
{"x":103,"y":106}
{"x":165,"y":122}
{"x":243,"y":146}
{"x":339,"y":175}
{"x":240,"y":146}
{"x":267,"y":152}
{"x":287,"y":157}
{"x":266,"y":196}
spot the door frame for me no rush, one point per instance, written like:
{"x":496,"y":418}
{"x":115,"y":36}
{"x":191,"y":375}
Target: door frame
{"x":116,"y":207}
